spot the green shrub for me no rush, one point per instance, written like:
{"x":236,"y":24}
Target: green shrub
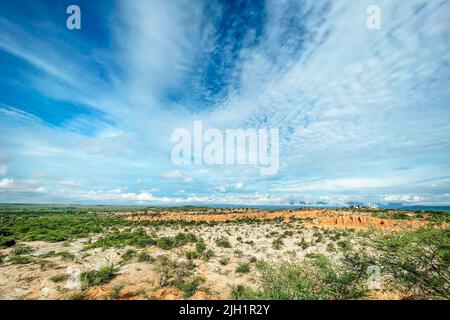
{"x":223,"y":242}
{"x":190,"y":286}
{"x":165,"y":243}
{"x":128,"y":255}
{"x":243,"y":267}
{"x":303,"y":244}
{"x":200,"y":247}
{"x":65,"y":255}
{"x":224,"y":261}
{"x":418,"y":260}
{"x":138,"y":238}
{"x":51,"y":227}
{"x":190,"y":255}
{"x":144,"y":257}
{"x":241,"y":292}
{"x":277,"y":243}
{"x":184,"y":238}
{"x":6,"y":242}
{"x":315,"y":279}
{"x":20,"y":260}
{"x":93,"y":278}
{"x":208,"y":254}
{"x":20,"y":250}
{"x":115,"y":292}
{"x":179,"y":240}
{"x":59,"y":277}
{"x":344,"y":245}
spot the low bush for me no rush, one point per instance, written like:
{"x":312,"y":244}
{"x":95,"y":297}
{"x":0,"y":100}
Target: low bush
{"x":243,"y":267}
{"x":20,"y":250}
{"x":145,"y":257}
{"x":93,"y":278}
{"x":277,"y":243}
{"x":223,"y":242}
{"x":138,"y":238}
{"x":417,"y":260}
{"x":315,"y":279}
{"x":59,"y":277}
{"x":224,"y":261}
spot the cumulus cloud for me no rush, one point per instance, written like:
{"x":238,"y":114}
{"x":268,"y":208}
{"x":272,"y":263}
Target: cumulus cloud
{"x":239,"y":185}
{"x":6,"y":183}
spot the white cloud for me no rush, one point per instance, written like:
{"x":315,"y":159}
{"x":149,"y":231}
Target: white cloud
{"x":239,"y":185}
{"x":176,"y":174}
{"x":6,"y":183}
{"x":221,"y":189}
{"x":403,"y":198}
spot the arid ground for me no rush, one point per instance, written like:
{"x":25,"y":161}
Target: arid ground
{"x":217,"y":253}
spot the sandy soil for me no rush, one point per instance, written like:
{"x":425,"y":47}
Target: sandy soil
{"x":140,"y":280}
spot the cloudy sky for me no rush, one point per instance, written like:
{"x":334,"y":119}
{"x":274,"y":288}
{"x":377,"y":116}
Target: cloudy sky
{"x":86,"y":115}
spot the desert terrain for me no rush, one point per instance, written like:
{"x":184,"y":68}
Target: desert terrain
{"x":222,"y":253}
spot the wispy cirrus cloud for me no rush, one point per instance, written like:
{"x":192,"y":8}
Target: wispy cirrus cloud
{"x":353,"y":105}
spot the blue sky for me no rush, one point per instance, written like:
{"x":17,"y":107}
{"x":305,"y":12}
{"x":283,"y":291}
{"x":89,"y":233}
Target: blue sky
{"x":86,"y":115}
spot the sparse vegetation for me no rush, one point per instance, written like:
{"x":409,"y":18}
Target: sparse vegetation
{"x":145,"y":257}
{"x":223,"y":242}
{"x":281,"y":255}
{"x":243,"y":267}
{"x":277,"y":243}
{"x":316,"y":279}
{"x":117,"y":239}
{"x":224,"y":261}
{"x":20,"y":250}
{"x":93,"y":278}
{"x":61,"y":277}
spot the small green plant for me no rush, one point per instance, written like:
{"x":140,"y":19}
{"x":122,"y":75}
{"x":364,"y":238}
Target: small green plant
{"x":165,"y":243}
{"x":190,"y":287}
{"x":128,"y":255}
{"x":65,"y":255}
{"x":224,"y":261}
{"x":241,"y":292}
{"x":190,"y":255}
{"x":20,"y":250}
{"x":115,"y":292}
{"x":277,"y":243}
{"x":243,"y":267}
{"x":200,"y":247}
{"x":144,"y":257}
{"x":208,"y":254}
{"x":93,"y":278}
{"x":344,"y":245}
{"x":223,"y":242}
{"x":61,"y":277}
{"x":20,"y":260}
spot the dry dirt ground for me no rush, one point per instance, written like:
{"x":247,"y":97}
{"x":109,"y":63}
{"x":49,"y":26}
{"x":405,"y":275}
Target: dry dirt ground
{"x":141,"y":280}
